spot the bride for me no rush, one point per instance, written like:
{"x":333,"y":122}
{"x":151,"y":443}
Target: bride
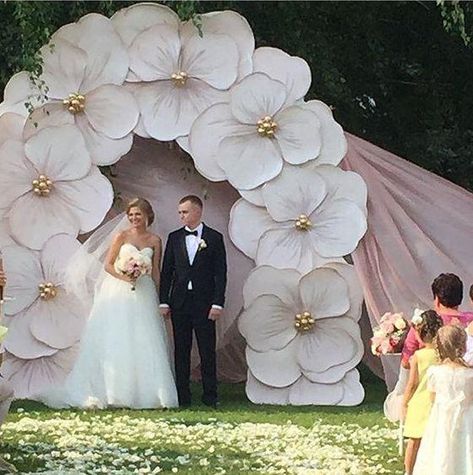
{"x":124,"y":358}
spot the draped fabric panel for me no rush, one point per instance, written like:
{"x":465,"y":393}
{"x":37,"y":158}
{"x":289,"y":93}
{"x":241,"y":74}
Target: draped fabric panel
{"x":419,"y":225}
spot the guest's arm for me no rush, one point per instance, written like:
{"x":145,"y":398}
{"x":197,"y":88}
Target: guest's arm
{"x":411,"y":385}
{"x":411,"y":345}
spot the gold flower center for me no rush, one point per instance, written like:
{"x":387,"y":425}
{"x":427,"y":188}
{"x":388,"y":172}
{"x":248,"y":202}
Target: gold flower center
{"x":47,"y":291}
{"x":303,"y":223}
{"x":266,"y":127}
{"x":179,"y":78}
{"x":303,"y":322}
{"x":74,"y":103}
{"x":42,"y":185}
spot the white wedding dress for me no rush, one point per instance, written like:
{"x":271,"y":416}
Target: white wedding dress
{"x":124,"y":358}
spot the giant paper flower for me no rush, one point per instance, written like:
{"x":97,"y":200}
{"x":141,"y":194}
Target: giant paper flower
{"x":302,"y":325}
{"x":346,"y":392}
{"x":255,"y":133}
{"x":44,"y":318}
{"x":312,"y":215}
{"x":184,"y":72}
{"x":49,"y":186}
{"x":83,"y":68}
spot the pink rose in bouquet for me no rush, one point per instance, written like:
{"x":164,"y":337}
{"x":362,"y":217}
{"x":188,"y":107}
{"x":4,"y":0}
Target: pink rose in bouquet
{"x":134,"y":267}
{"x":389,"y":335}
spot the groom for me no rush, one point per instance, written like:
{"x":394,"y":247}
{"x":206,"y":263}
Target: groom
{"x":192,"y":292}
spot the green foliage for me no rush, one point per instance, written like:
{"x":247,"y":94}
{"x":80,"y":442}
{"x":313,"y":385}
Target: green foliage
{"x":396,"y":73}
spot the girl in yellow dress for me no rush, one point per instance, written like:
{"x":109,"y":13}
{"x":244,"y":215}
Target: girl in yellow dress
{"x":417,"y":401}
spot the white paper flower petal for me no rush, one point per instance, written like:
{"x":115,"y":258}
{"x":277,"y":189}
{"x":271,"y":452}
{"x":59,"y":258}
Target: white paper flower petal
{"x":102,"y":149}
{"x":89,"y":199}
{"x":24,"y":272}
{"x":5,"y":234}
{"x":31,"y":377}
{"x":211,"y":58}
{"x":52,"y":114}
{"x":266,"y":280}
{"x":325,"y":293}
{"x":333,"y":348}
{"x":355,"y":291}
{"x":338,"y":225}
{"x":305,"y":392}
{"x":184,"y":144}
{"x":267,"y":324}
{"x":208,"y":130}
{"x":233,"y":25}
{"x":247,"y":224}
{"x":276,"y":368}
{"x":353,"y":392}
{"x":286,"y":247}
{"x":256,"y":97}
{"x":249,"y":160}
{"x":64,"y":68}
{"x":343,"y":184}
{"x":58,"y":322}
{"x":254,"y":196}
{"x":334,"y":143}
{"x":11,"y":127}
{"x":292,"y":193}
{"x":53,"y":262}
{"x":169,"y":111}
{"x":154,"y":54}
{"x":259,"y":393}
{"x":298,"y":134}
{"x":20,"y":341}
{"x":112,"y":111}
{"x":130,"y":22}
{"x":45,"y":216}
{"x":59,"y":152}
{"x":292,"y":71}
{"x":107,"y":58}
{"x":18,"y":91}
{"x":17,"y":173}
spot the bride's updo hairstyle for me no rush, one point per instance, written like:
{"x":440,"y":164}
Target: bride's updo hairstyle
{"x":144,"y":206}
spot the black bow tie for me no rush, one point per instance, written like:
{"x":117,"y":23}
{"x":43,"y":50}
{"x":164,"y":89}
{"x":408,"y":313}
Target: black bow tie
{"x":191,"y":233}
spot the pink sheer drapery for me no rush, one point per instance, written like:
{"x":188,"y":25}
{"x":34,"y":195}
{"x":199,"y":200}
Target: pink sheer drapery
{"x":419,"y":225}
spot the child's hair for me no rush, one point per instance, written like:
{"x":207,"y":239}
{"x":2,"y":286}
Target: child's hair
{"x":430,"y":325}
{"x":451,"y":344}
{"x":471,"y":292}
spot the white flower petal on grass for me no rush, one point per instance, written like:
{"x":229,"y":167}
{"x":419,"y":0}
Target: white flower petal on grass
{"x":293,"y":71}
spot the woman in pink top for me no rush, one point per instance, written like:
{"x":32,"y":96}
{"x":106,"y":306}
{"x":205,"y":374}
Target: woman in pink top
{"x":447,"y":290}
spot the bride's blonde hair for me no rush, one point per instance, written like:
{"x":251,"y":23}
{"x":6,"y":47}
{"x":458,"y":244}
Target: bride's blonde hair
{"x":144,"y":206}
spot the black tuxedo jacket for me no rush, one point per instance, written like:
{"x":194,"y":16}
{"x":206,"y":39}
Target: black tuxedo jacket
{"x":208,"y":271}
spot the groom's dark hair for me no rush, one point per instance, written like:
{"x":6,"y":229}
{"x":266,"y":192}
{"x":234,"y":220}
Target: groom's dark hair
{"x":195,"y":200}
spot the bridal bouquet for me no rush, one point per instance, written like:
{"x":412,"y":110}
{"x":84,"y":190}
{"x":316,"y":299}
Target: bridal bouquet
{"x":133,"y":267}
{"x":389,"y":335}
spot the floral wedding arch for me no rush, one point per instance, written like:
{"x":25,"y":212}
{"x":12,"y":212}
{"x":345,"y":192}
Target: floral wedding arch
{"x":240,"y":113}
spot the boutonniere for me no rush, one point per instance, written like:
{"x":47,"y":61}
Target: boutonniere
{"x":202,"y":245}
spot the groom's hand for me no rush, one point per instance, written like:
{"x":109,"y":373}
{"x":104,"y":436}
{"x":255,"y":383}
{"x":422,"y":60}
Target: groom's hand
{"x":165,"y":312}
{"x":215,"y":313}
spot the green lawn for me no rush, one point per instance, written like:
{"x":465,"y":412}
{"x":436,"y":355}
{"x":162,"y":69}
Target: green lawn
{"x":237,"y":438}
